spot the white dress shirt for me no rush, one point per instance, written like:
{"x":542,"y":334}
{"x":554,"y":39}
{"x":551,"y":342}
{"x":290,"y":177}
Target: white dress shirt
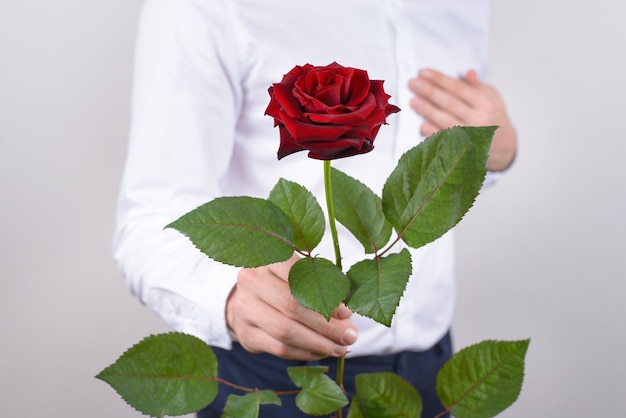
{"x":199,"y":131}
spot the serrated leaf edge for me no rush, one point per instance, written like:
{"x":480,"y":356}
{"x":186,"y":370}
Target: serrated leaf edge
{"x":493,"y":370}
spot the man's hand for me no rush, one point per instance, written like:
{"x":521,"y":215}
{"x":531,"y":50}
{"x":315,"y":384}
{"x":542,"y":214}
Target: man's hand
{"x":266,"y":318}
{"x":445,"y":102}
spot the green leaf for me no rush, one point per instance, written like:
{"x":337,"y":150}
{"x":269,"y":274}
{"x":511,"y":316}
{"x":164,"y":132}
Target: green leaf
{"x":318,"y":284}
{"x":436,"y":183}
{"x":387,"y":395}
{"x":304,"y":212}
{"x":482,"y":380}
{"x":320,"y":394}
{"x":360,"y":211}
{"x":239,"y":231}
{"x":377,"y":286}
{"x":248,"y":405}
{"x":166,"y":374}
{"x":355,"y":408}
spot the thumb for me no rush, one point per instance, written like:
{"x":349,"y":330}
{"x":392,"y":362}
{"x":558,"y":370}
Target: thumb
{"x":281,"y":270}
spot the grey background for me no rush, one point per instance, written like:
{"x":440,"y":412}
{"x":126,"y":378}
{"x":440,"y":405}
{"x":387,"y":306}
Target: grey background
{"x":540,"y":256}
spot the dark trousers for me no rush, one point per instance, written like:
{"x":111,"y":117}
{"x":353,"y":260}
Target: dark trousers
{"x":263,"y":371}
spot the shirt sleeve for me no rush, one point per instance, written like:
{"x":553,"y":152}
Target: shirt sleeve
{"x":185,"y":104}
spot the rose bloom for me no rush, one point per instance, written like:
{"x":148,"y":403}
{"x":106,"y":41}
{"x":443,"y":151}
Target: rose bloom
{"x":332,"y":111}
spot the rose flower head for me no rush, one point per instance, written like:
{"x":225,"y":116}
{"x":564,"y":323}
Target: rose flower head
{"x":332,"y":111}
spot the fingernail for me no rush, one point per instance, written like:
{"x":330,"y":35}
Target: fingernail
{"x":350,"y":336}
{"x":419,"y":86}
{"x":426,"y":73}
{"x":340,"y":350}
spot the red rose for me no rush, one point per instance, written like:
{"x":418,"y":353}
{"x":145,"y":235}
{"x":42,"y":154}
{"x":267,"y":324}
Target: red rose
{"x":332,"y":111}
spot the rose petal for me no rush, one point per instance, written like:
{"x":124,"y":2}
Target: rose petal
{"x":304,"y":130}
{"x":357,"y":89}
{"x":283,"y":95}
{"x":287,"y":144}
{"x":330,"y":91}
{"x":346,"y":147}
{"x":358,"y":116}
{"x":273,"y":108}
{"x":310,"y":103}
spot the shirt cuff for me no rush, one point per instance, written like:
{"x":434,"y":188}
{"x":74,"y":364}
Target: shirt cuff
{"x":201,"y":312}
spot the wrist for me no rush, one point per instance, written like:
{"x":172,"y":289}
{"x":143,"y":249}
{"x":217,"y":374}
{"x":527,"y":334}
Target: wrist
{"x":229,"y":314}
{"x":503,"y":149}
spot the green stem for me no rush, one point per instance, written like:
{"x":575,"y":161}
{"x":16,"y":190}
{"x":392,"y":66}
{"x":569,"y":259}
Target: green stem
{"x":328,"y":188}
{"x":331,"y":211}
{"x":341,"y":363}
